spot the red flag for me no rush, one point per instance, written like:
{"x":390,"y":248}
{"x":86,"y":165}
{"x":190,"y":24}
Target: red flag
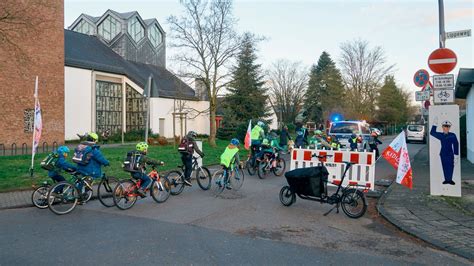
{"x":247,"y":140}
{"x":397,"y":155}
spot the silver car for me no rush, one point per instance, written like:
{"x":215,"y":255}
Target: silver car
{"x":416,"y":133}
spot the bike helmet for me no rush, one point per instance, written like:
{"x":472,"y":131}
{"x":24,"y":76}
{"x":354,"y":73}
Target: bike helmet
{"x":318,"y":132}
{"x":63,"y":149}
{"x":91,"y":136}
{"x":353,"y":136}
{"x":260,"y":124}
{"x":299,"y":132}
{"x":235,"y":142}
{"x":265,"y":142}
{"x":142,"y":146}
{"x":192,"y":134}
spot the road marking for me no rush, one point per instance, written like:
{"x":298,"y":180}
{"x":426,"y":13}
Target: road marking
{"x":442,"y":61}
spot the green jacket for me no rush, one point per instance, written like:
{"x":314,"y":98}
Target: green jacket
{"x":229,"y":156}
{"x":257,"y":133}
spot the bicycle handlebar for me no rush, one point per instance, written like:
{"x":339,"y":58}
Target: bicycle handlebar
{"x":321,"y":156}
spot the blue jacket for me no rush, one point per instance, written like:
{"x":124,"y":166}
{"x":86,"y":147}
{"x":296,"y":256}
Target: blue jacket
{"x":93,"y":168}
{"x":449,"y":142}
{"x":61,"y":164}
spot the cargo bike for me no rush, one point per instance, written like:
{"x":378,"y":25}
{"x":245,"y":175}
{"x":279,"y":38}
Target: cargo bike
{"x":311,"y":184}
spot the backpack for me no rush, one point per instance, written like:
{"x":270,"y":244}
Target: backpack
{"x":49,"y":162}
{"x":186,"y":146}
{"x":132,"y":162}
{"x":82,"y":154}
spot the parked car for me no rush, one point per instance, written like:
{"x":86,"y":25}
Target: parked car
{"x":416,"y":133}
{"x":344,"y":129}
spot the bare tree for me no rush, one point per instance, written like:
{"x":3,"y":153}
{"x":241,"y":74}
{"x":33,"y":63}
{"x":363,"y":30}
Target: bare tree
{"x":363,"y":71}
{"x":206,"y":43}
{"x":287,"y":83}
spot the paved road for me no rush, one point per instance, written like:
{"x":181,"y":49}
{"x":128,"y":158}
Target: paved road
{"x":246,"y":227}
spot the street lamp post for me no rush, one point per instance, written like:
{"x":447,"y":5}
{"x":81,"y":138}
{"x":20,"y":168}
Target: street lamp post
{"x":442,"y":34}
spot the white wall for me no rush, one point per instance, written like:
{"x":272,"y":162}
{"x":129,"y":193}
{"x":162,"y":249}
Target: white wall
{"x":470,"y":124}
{"x":163,"y":108}
{"x":78,"y":101}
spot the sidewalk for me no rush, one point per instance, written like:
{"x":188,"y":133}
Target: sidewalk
{"x":445,"y":222}
{"x":22,"y":199}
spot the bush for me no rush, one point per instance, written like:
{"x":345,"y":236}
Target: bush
{"x":291,"y":128}
{"x":225,"y":133}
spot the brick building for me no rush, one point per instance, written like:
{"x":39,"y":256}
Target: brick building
{"x":34,"y":47}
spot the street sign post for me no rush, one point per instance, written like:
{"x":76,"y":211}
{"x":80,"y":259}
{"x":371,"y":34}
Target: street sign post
{"x":443,"y":96}
{"x":421,"y":96}
{"x":421,"y":78}
{"x":442,"y":60}
{"x":443,"y":81}
{"x":458,"y":34}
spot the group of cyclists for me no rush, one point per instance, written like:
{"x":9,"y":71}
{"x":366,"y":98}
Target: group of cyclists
{"x":89,"y":159}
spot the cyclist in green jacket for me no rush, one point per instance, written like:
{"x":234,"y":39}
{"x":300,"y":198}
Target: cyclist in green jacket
{"x":230,"y":157}
{"x":256,"y":136}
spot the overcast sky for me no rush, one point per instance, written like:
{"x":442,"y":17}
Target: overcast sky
{"x":302,"y":30}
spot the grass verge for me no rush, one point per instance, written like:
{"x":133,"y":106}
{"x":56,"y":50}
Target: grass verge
{"x":14,"y":170}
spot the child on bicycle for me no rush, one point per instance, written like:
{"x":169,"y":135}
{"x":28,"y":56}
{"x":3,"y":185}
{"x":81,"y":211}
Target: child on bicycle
{"x":142,"y":149}
{"x":231,"y":157}
{"x":60,"y":165}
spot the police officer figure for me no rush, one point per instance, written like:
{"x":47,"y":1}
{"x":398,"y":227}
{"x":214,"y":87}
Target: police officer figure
{"x":449,"y":148}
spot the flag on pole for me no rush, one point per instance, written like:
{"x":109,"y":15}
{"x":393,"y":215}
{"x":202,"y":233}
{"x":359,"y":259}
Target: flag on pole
{"x":37,"y":126}
{"x":247,"y":141}
{"x":397,"y":155}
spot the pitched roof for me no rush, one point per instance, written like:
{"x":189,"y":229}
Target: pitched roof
{"x":88,"y":52}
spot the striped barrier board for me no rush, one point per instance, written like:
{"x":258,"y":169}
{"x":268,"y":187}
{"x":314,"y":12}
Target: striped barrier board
{"x":361,"y":174}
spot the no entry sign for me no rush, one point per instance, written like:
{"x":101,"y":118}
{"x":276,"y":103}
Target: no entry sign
{"x":442,"y":60}
{"x":421,"y":78}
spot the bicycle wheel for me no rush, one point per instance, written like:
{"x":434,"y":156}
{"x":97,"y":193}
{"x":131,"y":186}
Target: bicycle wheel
{"x":105,"y":191}
{"x":237,"y":178}
{"x":62,"y":198}
{"x":286,"y":196}
{"x":176,"y":182}
{"x":353,"y":203}
{"x":203,"y":177}
{"x":250,"y":169}
{"x":124,"y":194}
{"x":262,"y":170}
{"x":280,"y":167}
{"x":218,"y":182}
{"x":160,"y":190}
{"x":39,"y":197}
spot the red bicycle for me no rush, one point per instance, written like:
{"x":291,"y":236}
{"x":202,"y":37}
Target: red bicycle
{"x":126,"y":192}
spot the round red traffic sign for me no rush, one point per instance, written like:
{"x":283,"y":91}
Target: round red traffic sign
{"x":442,"y":60}
{"x":421,"y":78}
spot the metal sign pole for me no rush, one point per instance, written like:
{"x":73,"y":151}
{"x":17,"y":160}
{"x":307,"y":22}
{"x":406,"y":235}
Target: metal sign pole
{"x":442,"y":34}
{"x":147,"y":123}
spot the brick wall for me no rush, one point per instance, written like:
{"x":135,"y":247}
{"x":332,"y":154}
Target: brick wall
{"x":34,"y":48}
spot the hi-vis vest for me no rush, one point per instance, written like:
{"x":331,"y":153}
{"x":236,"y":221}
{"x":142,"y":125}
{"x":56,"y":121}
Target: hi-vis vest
{"x":255,"y":134}
{"x":228,"y":155}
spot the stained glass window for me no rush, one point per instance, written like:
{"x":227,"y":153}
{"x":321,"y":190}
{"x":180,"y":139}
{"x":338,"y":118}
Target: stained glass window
{"x":109,"y":28}
{"x":135,"y":109}
{"x":108,"y":106}
{"x":135,"y":29}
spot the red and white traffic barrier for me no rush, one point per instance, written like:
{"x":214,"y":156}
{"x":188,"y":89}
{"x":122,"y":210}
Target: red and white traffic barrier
{"x":362,"y":173}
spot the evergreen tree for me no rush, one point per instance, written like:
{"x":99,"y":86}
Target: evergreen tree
{"x":246,"y":99}
{"x":325,"y":91}
{"x":393,"y":103}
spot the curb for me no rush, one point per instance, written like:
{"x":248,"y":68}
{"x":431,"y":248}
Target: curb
{"x":382,"y":211}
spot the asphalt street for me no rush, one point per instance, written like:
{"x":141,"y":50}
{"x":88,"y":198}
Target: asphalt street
{"x":249,"y":226}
